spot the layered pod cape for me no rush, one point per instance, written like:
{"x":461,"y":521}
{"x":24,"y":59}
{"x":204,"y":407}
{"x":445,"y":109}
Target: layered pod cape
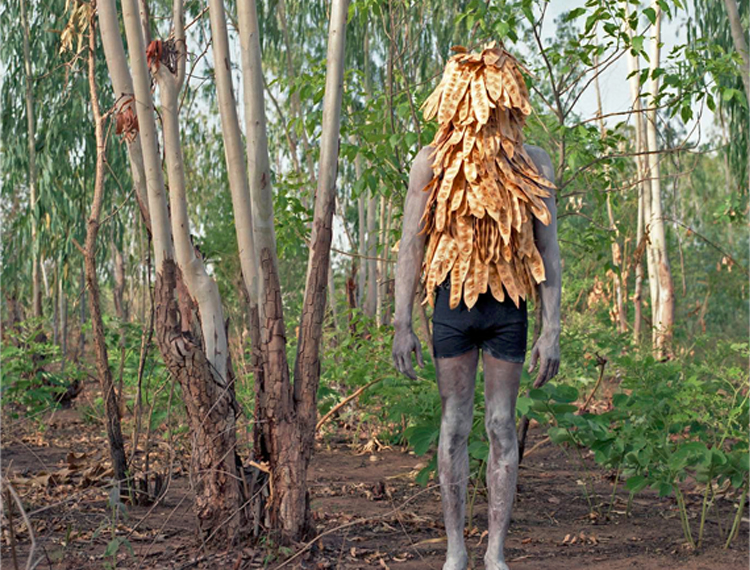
{"x":486,"y":190}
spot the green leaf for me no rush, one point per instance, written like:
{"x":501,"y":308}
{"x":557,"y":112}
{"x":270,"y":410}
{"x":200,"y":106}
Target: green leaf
{"x":565,"y":393}
{"x":636,"y":484}
{"x":650,"y":13}
{"x":479,"y":450}
{"x":559,"y":435}
{"x":665,"y":489}
{"x":573,"y":14}
{"x":637,"y":44}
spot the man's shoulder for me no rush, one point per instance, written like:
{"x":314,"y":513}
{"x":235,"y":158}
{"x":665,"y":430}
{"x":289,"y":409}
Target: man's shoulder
{"x":536,"y":153}
{"x":423,"y":161}
{"x":541,"y":160}
{"x":423,"y":156}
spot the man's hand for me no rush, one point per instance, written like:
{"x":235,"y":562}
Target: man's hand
{"x":546,"y":350}
{"x":404,"y":343}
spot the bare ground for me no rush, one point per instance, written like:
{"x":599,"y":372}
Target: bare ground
{"x":369,"y":511}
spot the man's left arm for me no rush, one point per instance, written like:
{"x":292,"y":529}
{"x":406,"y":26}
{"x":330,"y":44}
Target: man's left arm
{"x":546,"y":350}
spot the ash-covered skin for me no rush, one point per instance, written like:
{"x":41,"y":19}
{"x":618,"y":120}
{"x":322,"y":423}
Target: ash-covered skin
{"x":456,"y":376}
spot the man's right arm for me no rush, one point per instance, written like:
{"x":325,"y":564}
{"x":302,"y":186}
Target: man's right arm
{"x":409,"y":265}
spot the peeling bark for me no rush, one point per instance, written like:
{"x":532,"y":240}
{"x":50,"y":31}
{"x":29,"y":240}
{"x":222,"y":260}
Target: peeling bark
{"x":211,"y":410}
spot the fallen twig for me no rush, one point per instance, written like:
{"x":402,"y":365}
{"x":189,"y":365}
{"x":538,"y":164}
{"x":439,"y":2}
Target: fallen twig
{"x":24,"y":516}
{"x":344,"y":402}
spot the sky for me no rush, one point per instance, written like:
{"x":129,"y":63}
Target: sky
{"x":613,"y":81}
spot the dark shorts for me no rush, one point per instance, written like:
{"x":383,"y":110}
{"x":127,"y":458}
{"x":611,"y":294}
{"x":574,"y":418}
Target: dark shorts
{"x":498,"y":328}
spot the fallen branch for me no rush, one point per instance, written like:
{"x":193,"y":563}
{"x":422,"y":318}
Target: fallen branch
{"x":24,"y":516}
{"x":343,"y":403}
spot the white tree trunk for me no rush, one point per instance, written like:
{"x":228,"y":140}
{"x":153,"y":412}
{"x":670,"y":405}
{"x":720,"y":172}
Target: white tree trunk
{"x":36,"y":288}
{"x":122,"y":85}
{"x":380,"y":268}
{"x":644,"y":194}
{"x":157,"y":202}
{"x":372,"y":252}
{"x":664,"y":316}
{"x":259,"y":170}
{"x":200,"y":284}
{"x":234,"y":150}
{"x":362,"y":227}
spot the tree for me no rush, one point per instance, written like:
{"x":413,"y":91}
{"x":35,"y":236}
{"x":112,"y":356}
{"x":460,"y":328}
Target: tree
{"x":36,"y":288}
{"x":112,"y":408}
{"x":190,"y":327}
{"x":662,"y":302}
{"x":290,"y":412}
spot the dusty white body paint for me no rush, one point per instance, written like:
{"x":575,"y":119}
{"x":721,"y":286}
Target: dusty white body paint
{"x":457,"y":375}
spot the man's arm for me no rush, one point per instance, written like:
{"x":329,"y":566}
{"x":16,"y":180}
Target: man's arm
{"x":409,"y":265}
{"x":546,"y":350}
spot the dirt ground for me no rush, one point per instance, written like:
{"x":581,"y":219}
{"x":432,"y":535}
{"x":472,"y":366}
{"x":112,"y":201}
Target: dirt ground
{"x":369,"y":511}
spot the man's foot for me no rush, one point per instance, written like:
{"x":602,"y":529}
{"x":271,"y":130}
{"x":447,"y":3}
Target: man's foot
{"x":457,"y":561}
{"x":490,"y":564}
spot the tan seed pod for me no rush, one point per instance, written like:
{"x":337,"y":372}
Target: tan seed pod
{"x":496,"y":284}
{"x":453,"y":92}
{"x":486,"y":189}
{"x":481,"y":102}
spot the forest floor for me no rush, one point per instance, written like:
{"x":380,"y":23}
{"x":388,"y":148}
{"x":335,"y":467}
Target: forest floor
{"x":369,"y":509}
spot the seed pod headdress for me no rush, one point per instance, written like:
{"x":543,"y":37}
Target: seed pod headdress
{"x":486,"y":188}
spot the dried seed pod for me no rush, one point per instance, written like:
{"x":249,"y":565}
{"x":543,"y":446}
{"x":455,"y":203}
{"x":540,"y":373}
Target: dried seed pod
{"x":486,"y":188}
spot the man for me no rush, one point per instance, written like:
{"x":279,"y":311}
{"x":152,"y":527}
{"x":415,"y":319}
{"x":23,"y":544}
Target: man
{"x":476,"y":198}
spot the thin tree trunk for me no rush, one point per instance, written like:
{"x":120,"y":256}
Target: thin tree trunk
{"x":362,"y":233}
{"x":643,"y":193}
{"x":56,"y":311}
{"x":111,"y":407}
{"x":122,"y":85}
{"x":307,"y":364}
{"x":63,"y":301}
{"x":275,"y":410}
{"x":664,"y":316}
{"x":739,"y":36}
{"x":615,"y":247}
{"x":81,"y":349}
{"x":36,"y":286}
{"x":372,"y":209}
{"x":194,"y":349}
{"x":118,"y":296}
{"x":372,"y":252}
{"x":332,"y":299}
{"x":380,"y":271}
{"x":638,"y":289}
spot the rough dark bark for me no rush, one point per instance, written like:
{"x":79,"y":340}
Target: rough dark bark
{"x":211,"y":411}
{"x":111,"y":407}
{"x":118,"y":295}
{"x":307,"y":364}
{"x":288,"y":468}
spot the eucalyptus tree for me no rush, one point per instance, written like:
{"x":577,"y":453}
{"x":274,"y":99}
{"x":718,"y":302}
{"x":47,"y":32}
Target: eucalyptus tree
{"x":290,"y":411}
{"x":663,"y":300}
{"x":36,"y":289}
{"x":190,"y":327}
{"x":112,"y":408}
{"x":720,"y":53}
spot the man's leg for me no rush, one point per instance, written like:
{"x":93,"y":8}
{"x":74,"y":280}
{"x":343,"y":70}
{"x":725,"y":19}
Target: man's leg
{"x":456,"y":378}
{"x":501,"y":380}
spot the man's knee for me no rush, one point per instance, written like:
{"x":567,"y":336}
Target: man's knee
{"x":456,"y":426}
{"x":501,"y":431}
